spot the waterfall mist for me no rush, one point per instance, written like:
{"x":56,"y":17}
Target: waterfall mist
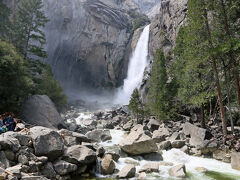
{"x":136,"y":67}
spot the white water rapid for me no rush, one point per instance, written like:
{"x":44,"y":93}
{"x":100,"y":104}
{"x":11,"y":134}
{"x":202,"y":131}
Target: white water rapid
{"x":217,"y":170}
{"x":136,"y":67}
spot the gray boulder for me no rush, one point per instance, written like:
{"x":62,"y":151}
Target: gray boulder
{"x":127,"y":171}
{"x":107,"y":165}
{"x":4,"y":162}
{"x":165,"y":145}
{"x":150,"y":167}
{"x":49,"y":171}
{"x":153,"y":125}
{"x":137,"y":143}
{"x":198,"y":135}
{"x":155,"y":156}
{"x":79,"y":154}
{"x":47,"y":142}
{"x":178,"y":171}
{"x":99,"y":135}
{"x":40,"y":110}
{"x":178,"y":144}
{"x":63,"y":167}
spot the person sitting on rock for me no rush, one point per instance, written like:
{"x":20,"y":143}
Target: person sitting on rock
{"x":9,"y":122}
{"x":3,"y":128}
{"x":1,"y":121}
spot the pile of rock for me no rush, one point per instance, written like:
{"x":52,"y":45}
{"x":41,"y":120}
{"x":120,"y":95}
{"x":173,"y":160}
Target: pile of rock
{"x":43,"y":153}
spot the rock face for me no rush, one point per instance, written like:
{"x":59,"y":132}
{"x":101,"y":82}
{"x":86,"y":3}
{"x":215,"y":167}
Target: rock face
{"x":165,"y":26}
{"x":40,"y":110}
{"x":163,"y":33}
{"x":46,"y":142}
{"x":146,"y":5}
{"x":89,"y":41}
{"x":137,"y":142}
{"x":235,"y":160}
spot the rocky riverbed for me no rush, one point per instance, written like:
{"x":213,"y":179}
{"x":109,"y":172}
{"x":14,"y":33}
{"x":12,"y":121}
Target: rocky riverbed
{"x":109,"y":144}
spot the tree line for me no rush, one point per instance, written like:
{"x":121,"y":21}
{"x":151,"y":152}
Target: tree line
{"x":21,"y":51}
{"x":205,"y":73}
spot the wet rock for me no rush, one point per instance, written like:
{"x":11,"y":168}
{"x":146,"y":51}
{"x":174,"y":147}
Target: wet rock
{"x":155,"y":156}
{"x":127,"y":171}
{"x":178,"y":171}
{"x":131,"y":161}
{"x":107,"y":165}
{"x":47,"y":142}
{"x":137,"y":143}
{"x":63,"y":167}
{"x":165,"y":145}
{"x":142,"y":175}
{"x":235,"y":160}
{"x":178,"y":143}
{"x":150,"y":167}
{"x":79,"y":154}
{"x":100,"y":151}
{"x":99,"y":135}
{"x":201,"y":169}
{"x":164,"y":163}
{"x":115,"y":155}
{"x":34,"y":178}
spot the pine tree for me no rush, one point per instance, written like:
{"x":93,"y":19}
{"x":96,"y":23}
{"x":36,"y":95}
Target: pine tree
{"x":160,"y":95}
{"x":5,"y":23}
{"x":30,"y":19}
{"x":15,"y":82}
{"x":136,"y":106}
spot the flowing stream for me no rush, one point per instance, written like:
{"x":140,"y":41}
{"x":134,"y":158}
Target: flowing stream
{"x":136,"y":67}
{"x":217,"y":170}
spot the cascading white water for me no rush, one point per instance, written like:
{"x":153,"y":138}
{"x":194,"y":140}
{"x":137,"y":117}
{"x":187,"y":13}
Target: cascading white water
{"x":137,"y":64}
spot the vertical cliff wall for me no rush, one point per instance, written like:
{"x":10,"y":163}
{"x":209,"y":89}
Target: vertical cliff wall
{"x":163,"y":33}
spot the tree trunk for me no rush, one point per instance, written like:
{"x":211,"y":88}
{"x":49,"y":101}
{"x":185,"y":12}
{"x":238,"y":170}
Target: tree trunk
{"x":215,"y":73}
{"x":228,"y":95}
{"x":232,"y":58}
{"x":203,"y":125}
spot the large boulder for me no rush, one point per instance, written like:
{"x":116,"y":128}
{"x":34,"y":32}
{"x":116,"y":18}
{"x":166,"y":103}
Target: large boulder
{"x":235,"y":160}
{"x":160,"y":134}
{"x":9,"y":142}
{"x":150,"y":167}
{"x":127,"y":171}
{"x":137,"y":142}
{"x":99,"y":135}
{"x":40,"y":110}
{"x":79,"y":154}
{"x":63,"y":167}
{"x":198,"y":135}
{"x":107,"y":165}
{"x":178,"y":171}
{"x":47,"y":142}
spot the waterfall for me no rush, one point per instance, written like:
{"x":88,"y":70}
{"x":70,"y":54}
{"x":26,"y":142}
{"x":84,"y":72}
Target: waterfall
{"x":137,"y":64}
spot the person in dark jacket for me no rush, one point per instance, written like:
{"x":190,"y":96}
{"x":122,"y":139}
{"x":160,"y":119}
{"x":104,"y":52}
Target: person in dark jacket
{"x":10,"y":123}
